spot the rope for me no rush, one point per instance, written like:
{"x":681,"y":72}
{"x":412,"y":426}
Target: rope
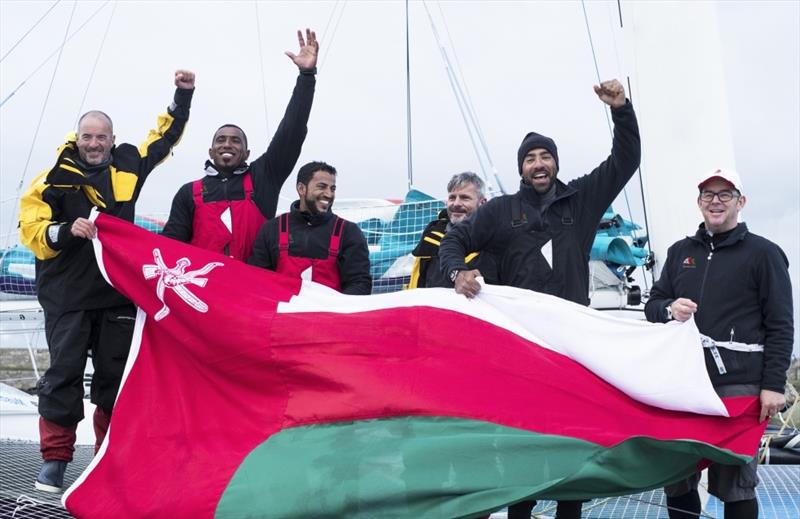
{"x":57,"y":51}
{"x":667,"y":507}
{"x":29,"y":30}
{"x":94,"y":66}
{"x":41,"y":116}
{"x":263,"y":76}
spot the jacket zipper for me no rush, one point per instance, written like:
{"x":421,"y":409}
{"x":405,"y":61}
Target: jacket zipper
{"x":705,"y":273}
{"x":227,"y":248}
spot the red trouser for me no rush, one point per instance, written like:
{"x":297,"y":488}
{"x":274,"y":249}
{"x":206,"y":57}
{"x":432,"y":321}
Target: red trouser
{"x":107,"y":332}
{"x":57,"y":442}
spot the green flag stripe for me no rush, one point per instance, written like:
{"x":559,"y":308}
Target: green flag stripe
{"x":441,"y":467}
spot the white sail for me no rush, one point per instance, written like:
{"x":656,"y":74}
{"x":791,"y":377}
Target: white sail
{"x":681,"y":97}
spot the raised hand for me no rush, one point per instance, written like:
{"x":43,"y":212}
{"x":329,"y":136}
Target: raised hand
{"x":184,"y":79}
{"x":309,"y":48}
{"x":611,"y":93}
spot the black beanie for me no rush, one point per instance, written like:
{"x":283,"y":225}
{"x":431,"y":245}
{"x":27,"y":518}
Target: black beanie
{"x":534,"y":140}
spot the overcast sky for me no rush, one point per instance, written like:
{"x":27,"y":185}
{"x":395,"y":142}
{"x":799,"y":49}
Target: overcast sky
{"x":527,"y":65}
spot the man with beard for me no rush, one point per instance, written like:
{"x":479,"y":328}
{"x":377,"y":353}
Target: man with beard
{"x":736,"y":284}
{"x":541,"y":236}
{"x":464,"y":196}
{"x":224,"y":210}
{"x":311,"y":242}
{"x":82,"y":311}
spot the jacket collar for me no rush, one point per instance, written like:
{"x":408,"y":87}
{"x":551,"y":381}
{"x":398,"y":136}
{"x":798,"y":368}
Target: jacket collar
{"x":70,"y":170}
{"x":725,"y":239}
{"x":307,"y":217}
{"x":530,"y":195}
{"x":212,"y":171}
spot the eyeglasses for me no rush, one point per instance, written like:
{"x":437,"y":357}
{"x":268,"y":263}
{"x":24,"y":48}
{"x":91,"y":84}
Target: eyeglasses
{"x":724,"y":196}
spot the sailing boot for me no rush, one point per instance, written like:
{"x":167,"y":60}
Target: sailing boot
{"x":51,"y":476}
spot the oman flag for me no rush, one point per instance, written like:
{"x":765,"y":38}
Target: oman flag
{"x":248,"y":394}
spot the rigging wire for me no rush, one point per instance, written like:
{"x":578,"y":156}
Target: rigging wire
{"x":29,"y":30}
{"x":408,"y":105}
{"x":94,"y":66}
{"x":41,"y":116}
{"x":328,"y":23}
{"x":329,"y":44}
{"x":57,"y":51}
{"x":644,"y":211}
{"x":608,"y":118}
{"x":457,"y":93}
{"x":468,"y":99}
{"x":263,"y":76}
{"x":596,"y":67}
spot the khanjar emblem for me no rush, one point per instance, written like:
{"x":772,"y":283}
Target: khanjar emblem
{"x":177,"y":278}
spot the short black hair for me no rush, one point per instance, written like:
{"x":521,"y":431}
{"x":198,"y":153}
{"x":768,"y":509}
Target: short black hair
{"x":307,"y":171}
{"x":244,"y":135}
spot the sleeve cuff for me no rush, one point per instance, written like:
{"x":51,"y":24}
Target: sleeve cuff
{"x":182,"y":99}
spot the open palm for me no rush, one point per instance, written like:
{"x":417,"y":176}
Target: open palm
{"x":309,"y":48}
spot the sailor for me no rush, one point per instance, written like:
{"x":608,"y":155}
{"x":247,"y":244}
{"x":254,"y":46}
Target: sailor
{"x":82,"y":311}
{"x":465,"y":193}
{"x":736,"y":286}
{"x":541,"y":236}
{"x":311,"y":242}
{"x":224,"y":210}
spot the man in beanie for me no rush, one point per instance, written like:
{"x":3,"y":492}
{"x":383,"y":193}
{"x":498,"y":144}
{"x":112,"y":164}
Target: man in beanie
{"x":541,"y":236}
{"x":736,"y":285}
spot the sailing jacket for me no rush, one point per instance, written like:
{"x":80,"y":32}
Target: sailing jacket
{"x":547,"y":249}
{"x":426,"y":272}
{"x":67,"y":276}
{"x":740,"y":282}
{"x":269,"y":171}
{"x":309,"y":237}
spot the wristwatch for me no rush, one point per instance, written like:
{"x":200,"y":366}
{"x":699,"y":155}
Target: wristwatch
{"x":454,"y":275}
{"x":669,"y":312}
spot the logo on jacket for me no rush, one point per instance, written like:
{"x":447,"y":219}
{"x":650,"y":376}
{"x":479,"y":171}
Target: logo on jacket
{"x":688,"y":263}
{"x":177,"y":278}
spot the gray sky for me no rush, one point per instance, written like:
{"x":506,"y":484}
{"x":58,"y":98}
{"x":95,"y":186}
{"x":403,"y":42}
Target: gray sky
{"x":527,"y":65}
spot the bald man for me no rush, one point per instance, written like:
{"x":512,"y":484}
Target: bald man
{"x":82,"y":312}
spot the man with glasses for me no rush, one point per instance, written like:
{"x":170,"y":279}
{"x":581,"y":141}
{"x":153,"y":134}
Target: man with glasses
{"x":736,"y":285}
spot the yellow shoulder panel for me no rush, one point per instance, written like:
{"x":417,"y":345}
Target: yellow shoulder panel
{"x":123,"y":183}
{"x":165,"y":120}
{"x":414,"y":274}
{"x":35,"y":216}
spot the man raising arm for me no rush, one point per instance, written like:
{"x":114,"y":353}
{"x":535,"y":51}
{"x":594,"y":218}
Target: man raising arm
{"x":81,"y":310}
{"x":224,"y":210}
